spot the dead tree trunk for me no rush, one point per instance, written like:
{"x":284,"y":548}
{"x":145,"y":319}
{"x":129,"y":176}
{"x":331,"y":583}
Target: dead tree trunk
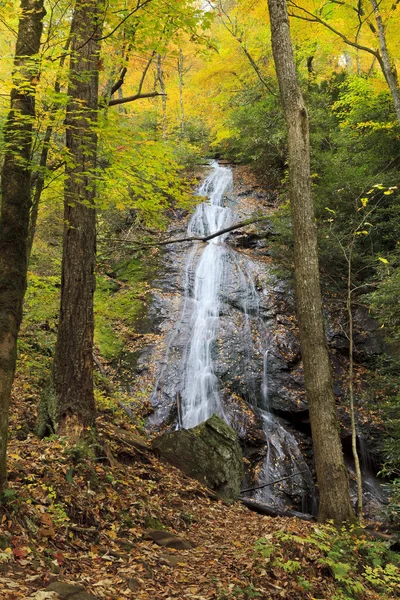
{"x":332,"y":474}
{"x":16,"y":204}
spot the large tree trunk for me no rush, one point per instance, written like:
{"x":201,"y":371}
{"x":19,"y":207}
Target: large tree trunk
{"x":72,"y":406}
{"x":16,"y":202}
{"x":332,"y":474}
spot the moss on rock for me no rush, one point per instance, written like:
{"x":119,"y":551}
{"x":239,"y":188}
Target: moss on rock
{"x":209,"y":453}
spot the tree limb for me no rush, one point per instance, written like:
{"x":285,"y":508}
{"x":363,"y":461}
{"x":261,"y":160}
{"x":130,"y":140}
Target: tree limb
{"x":119,"y":82}
{"x":260,"y":487}
{"x":205,"y":238}
{"x":133,"y":98}
{"x":312,"y":18}
{"x":143,"y":77}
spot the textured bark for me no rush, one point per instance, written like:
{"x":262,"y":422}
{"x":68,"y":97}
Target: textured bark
{"x":71,"y":404}
{"x":182,"y":106}
{"x":160,"y":77}
{"x":332,"y":474}
{"x":16,"y":202}
{"x":357,"y":465}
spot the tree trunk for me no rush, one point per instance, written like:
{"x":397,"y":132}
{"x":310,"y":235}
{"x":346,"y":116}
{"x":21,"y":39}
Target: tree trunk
{"x":332,"y":475}
{"x":388,"y":68}
{"x":182,"y":107}
{"x":38,"y":187}
{"x":72,"y":406}
{"x":160,"y":77}
{"x":16,"y":203}
{"x":357,"y":466}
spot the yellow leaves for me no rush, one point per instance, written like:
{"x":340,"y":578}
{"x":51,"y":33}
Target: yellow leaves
{"x":6,"y":555}
{"x":386,"y":262}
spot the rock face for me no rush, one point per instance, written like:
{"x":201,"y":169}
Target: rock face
{"x":209,"y":453}
{"x":255,"y":355}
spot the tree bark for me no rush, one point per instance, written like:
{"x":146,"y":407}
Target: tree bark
{"x":332,"y":477}
{"x":357,"y":465}
{"x":71,"y":406}
{"x":16,"y":203}
{"x":160,"y":77}
{"x":181,"y":104}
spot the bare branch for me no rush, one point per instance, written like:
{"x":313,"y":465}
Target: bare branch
{"x":145,"y":70}
{"x":133,"y":98}
{"x":203,"y":239}
{"x":312,"y":18}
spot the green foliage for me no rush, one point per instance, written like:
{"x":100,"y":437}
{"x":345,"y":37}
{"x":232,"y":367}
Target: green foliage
{"x":353,"y":561}
{"x":350,"y":156}
{"x":239,"y":592}
{"x":384,"y":301}
{"x":254,"y":134}
{"x":138,"y":171}
{"x":118,"y":305}
{"x":385,"y":382}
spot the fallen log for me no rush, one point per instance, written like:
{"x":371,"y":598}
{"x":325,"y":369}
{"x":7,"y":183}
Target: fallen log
{"x":392,"y":539}
{"x":266,"y":509}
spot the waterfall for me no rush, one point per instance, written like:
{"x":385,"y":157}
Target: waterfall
{"x":200,"y":394}
{"x":215,"y":277}
{"x":284,"y":460}
{"x":264,"y":385}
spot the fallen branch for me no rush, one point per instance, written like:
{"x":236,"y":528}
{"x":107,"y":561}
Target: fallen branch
{"x":203,"y":239}
{"x":265,"y":509}
{"x":260,"y":487}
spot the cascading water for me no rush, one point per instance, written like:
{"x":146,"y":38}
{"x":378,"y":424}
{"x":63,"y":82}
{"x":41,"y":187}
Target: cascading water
{"x":264,"y":386}
{"x":216,"y":275}
{"x":284,"y":456}
{"x":200,"y":395}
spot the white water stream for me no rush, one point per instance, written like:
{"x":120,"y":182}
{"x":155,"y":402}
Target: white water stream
{"x":200,"y":395}
{"x":205,"y":282}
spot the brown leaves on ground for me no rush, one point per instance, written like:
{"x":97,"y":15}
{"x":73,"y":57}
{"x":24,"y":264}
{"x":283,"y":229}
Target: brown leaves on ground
{"x":80,"y":514}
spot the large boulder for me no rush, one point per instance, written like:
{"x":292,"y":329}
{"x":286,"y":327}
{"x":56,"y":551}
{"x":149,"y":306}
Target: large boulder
{"x":209,"y":453}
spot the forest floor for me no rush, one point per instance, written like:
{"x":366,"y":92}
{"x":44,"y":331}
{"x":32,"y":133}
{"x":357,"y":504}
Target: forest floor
{"x":80,"y":513}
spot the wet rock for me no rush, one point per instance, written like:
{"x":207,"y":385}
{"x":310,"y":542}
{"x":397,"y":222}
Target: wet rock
{"x":368,"y":339}
{"x":209,"y":452}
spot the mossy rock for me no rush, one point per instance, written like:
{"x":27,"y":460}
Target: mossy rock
{"x":209,"y":453}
